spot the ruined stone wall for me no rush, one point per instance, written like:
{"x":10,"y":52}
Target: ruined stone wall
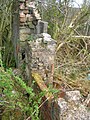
{"x":40,"y":55}
{"x":30,"y":24}
{"x":29,"y":17}
{"x":37,"y":48}
{"x":37,"y":51}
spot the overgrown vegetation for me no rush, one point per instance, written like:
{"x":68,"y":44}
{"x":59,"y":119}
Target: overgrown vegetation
{"x":6,"y":32}
{"x":65,"y":24}
{"x":17,"y":100}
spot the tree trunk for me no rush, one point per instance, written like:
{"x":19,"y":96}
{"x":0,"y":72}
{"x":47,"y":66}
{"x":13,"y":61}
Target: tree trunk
{"x":15,"y":29}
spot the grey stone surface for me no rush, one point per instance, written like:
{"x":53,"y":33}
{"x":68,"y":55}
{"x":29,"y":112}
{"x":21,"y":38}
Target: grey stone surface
{"x":40,"y":57}
{"x":69,"y":109}
{"x":77,"y":113}
{"x":41,"y":27}
{"x":73,"y":96}
{"x":63,"y":105}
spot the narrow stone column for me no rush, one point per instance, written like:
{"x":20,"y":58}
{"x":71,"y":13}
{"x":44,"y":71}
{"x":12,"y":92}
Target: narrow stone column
{"x":40,"y":55}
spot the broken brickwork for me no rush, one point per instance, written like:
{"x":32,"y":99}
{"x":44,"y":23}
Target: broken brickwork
{"x":36,"y":46}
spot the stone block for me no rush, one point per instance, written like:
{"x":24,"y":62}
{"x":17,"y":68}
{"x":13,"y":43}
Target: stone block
{"x":22,"y":6}
{"x":40,"y":64}
{"x":41,"y":27}
{"x":21,"y":0}
{"x":22,"y":17}
{"x":24,"y":33}
{"x":29,"y":18}
{"x":30,"y":4}
{"x":63,"y":105}
{"x":73,"y":96}
{"x":26,"y":11}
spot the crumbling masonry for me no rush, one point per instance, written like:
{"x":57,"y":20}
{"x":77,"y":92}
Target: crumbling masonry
{"x":37,"y":46}
{"x":37,"y":50}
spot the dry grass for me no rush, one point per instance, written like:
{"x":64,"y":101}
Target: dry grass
{"x":73,"y":64}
